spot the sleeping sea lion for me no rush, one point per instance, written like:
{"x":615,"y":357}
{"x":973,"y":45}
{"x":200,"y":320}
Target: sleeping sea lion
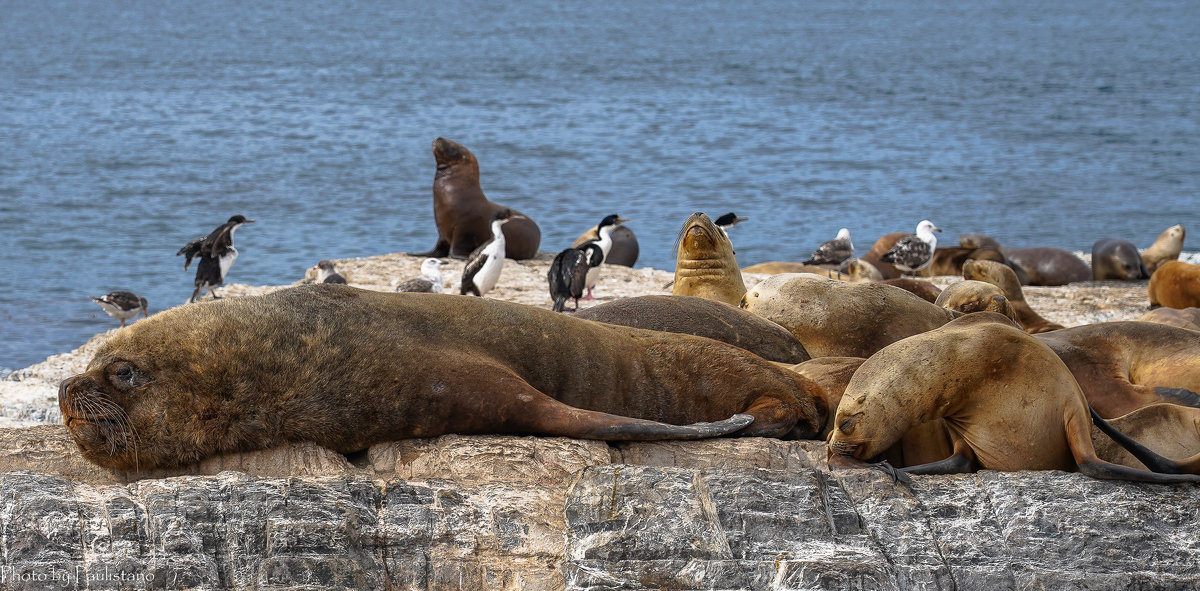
{"x":705,"y":265}
{"x":1113,"y":258}
{"x":1175,"y":284}
{"x":1003,"y":277}
{"x":464,"y":215}
{"x":347,"y":368}
{"x":1183,"y":318}
{"x":1003,"y":398}
{"x":880,"y":248}
{"x":1166,"y":247}
{"x":969,"y":296}
{"x":1045,"y":265}
{"x":921,"y":288}
{"x":832,"y":374}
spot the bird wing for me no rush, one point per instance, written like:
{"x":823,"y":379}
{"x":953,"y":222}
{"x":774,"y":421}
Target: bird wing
{"x":908,"y":249}
{"x":192,"y":249}
{"x":559,"y":275}
{"x":474,"y":264}
{"x":831,"y":252}
{"x":584,"y":260}
{"x":419,"y":284}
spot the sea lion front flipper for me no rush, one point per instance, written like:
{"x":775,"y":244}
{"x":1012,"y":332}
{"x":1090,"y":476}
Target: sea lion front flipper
{"x":440,"y":250}
{"x":962,"y":462}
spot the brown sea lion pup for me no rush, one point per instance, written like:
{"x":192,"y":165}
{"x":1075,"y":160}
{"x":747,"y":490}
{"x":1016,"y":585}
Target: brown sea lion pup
{"x":881,"y":247}
{"x":1169,"y":430}
{"x":1125,"y":365}
{"x":464,"y":215}
{"x":777,"y":267}
{"x":1166,"y":247}
{"x":969,"y":296}
{"x":1183,"y":318}
{"x":1004,"y":399}
{"x":832,"y":374}
{"x":624,"y":251}
{"x":842,"y":319}
{"x":705,"y":265}
{"x":1175,"y":284}
{"x":1116,"y":259}
{"x":1044,"y":265}
{"x":347,"y":368}
{"x":918,"y":287}
{"x":1003,"y":277}
{"x":702,"y":317}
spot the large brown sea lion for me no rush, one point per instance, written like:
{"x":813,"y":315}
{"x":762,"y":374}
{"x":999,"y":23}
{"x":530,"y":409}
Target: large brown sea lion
{"x":1005,"y":278}
{"x":841,"y":319}
{"x":1004,"y":400}
{"x":464,"y":215}
{"x":1166,"y":247}
{"x":1117,"y":259}
{"x":705,"y":318}
{"x":1175,"y":284}
{"x":1169,"y":430}
{"x":624,"y":249}
{"x":705,"y":265}
{"x":346,"y":368}
{"x":1122,"y":366}
{"x":1045,"y":265}
{"x":1183,"y":318}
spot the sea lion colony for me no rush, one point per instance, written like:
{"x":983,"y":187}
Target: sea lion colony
{"x":348,"y":368}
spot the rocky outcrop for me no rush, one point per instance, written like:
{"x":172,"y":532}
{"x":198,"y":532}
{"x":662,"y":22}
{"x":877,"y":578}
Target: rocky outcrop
{"x":552,"y":513}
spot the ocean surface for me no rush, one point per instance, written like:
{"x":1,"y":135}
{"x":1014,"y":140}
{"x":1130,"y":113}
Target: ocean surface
{"x":128,"y":128}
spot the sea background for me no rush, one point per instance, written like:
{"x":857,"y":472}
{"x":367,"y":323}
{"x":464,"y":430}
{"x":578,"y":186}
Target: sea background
{"x":128,"y":128}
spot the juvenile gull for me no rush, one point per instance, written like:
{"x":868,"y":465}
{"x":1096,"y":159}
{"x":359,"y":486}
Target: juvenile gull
{"x":913,"y":252}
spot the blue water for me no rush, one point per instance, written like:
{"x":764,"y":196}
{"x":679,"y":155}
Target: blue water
{"x":128,"y":128}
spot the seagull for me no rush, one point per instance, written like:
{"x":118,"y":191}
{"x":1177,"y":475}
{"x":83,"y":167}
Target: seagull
{"x":568,"y":273}
{"x":485,"y":263}
{"x":430,"y":280}
{"x":216,"y":253}
{"x":913,"y":252}
{"x":605,"y":229}
{"x":833,"y":252}
{"x":122,"y":305}
{"x":326,"y":273}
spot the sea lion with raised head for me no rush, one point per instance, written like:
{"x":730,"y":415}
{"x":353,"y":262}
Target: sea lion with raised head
{"x":1005,"y":278}
{"x":1166,"y":247}
{"x":969,"y":296}
{"x":842,"y":319}
{"x":1046,"y":265}
{"x":1175,"y":284}
{"x":1003,"y":398}
{"x":705,"y":265}
{"x":702,"y":317}
{"x":347,"y":368}
{"x":463,"y":214}
{"x":1117,"y":259}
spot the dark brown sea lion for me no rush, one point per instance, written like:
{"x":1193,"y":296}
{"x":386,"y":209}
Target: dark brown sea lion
{"x":464,"y":215}
{"x":918,"y":287}
{"x":1166,"y":247}
{"x":1183,"y":318}
{"x":969,"y":296}
{"x":1003,"y":398}
{"x":1046,"y":265}
{"x":1125,"y":365}
{"x":1005,"y":278}
{"x":347,"y":368}
{"x":842,"y":319}
{"x":624,"y":249}
{"x":704,"y":318}
{"x":1169,"y":430}
{"x":1175,"y":284}
{"x":705,"y":265}
{"x":1116,"y":259}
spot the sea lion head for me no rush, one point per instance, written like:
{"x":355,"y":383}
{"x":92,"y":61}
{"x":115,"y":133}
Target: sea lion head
{"x":705,"y":264}
{"x":970,"y":296}
{"x":450,"y":154}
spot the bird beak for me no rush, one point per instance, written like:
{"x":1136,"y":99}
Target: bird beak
{"x":622,"y":220}
{"x":937,"y":229}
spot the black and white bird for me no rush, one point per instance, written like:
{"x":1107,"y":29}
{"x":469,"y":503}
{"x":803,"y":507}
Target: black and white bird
{"x":568,"y":273}
{"x":327,"y":272}
{"x":485,"y":263}
{"x":913,"y":252}
{"x":122,"y":305}
{"x":217,"y":255}
{"x":728,"y":221}
{"x":605,"y":230}
{"x":430,"y":280}
{"x":833,"y":252}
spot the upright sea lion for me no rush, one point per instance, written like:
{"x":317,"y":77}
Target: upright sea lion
{"x":624,"y":249}
{"x":1183,"y":318}
{"x":1175,"y":284}
{"x":842,"y":319}
{"x":1169,"y":430}
{"x":1122,"y":366}
{"x":1003,"y":277}
{"x":1166,"y":247}
{"x":702,"y":317}
{"x":1113,"y":258}
{"x":464,"y":215}
{"x":1044,"y":265}
{"x":347,"y":368}
{"x":1003,"y":398}
{"x":705,"y":265}
{"x":969,"y":296}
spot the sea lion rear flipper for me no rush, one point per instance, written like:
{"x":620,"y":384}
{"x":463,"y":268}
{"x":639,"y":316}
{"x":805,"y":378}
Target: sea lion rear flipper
{"x":1180,"y":396}
{"x":1165,"y":471}
{"x":1143,"y":454}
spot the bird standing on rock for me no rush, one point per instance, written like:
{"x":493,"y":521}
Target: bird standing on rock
{"x":913,"y":252}
{"x":605,"y":230}
{"x":485,"y":263}
{"x":568,"y":273}
{"x":217,"y":255}
{"x":122,"y":305}
{"x":833,"y":252}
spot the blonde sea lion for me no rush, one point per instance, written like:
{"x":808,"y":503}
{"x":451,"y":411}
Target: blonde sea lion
{"x":1175,"y":284}
{"x":347,"y":368}
{"x":705,"y":265}
{"x":1183,"y":318}
{"x":1166,"y":247}
{"x":777,"y":267}
{"x":463,"y":214}
{"x":1005,"y":278}
{"x":1003,"y":398}
{"x":1117,"y":259}
{"x":969,"y":296}
{"x":841,"y":319}
{"x":860,"y":270}
{"x":1169,"y":430}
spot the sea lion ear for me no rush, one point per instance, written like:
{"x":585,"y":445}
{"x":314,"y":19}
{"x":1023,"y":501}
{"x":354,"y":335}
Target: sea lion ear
{"x":847,"y":426}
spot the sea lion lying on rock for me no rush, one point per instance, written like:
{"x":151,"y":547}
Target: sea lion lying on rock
{"x":346,"y":368}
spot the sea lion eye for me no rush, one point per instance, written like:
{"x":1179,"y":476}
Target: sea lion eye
{"x":124,"y":375}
